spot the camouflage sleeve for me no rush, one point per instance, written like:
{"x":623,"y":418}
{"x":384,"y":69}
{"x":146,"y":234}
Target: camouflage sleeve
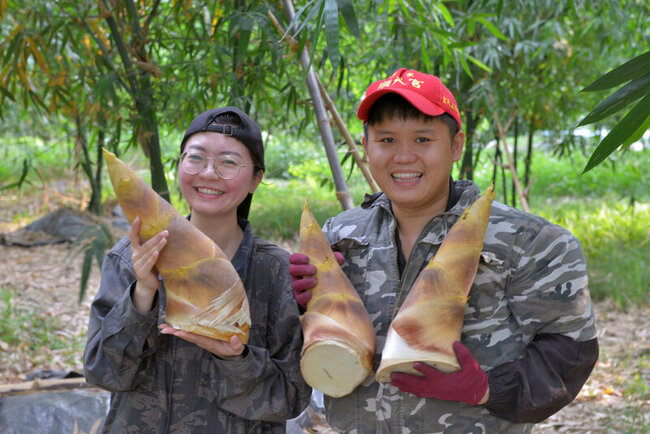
{"x":266,"y":384}
{"x":548,"y":377}
{"x":548,"y":291}
{"x":120,"y":339}
{"x":549,"y":296}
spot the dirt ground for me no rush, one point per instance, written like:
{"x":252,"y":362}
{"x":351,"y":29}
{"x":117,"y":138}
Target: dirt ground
{"x":40,"y":287}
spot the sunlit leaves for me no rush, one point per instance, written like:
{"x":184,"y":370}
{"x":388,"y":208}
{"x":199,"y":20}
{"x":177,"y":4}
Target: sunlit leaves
{"x":636,"y":121}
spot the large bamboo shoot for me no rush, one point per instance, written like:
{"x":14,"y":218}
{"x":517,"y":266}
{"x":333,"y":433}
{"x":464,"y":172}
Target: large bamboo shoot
{"x":339,"y":339}
{"x":204,"y":292}
{"x":431,"y":317}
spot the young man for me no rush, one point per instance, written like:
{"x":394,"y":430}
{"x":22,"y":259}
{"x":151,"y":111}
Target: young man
{"x":528,"y":342}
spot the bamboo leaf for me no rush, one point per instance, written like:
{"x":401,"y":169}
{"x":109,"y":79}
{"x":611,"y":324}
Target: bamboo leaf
{"x":331,"y":13}
{"x":492,"y":28}
{"x":20,"y":181}
{"x":85,"y":273}
{"x":446,"y":14}
{"x":350,"y":18}
{"x":6,"y":93}
{"x":465,"y":66}
{"x":619,"y":135}
{"x":478,"y":63}
{"x":9,"y":38}
{"x":630,"y":70}
{"x":471,"y":26}
{"x":621,"y":98}
{"x":637,"y":134}
{"x":296,"y":16}
{"x":312,"y":12}
{"x":424,"y":52}
{"x":37,"y":54}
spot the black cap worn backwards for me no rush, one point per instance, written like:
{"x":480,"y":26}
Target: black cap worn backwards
{"x":248,"y":133}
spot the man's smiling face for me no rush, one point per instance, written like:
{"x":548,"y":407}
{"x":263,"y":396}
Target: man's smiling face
{"x":411,"y":159}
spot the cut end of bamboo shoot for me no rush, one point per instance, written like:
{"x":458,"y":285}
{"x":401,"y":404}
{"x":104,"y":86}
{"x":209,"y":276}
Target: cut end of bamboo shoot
{"x":399,"y":356}
{"x":342,"y":372}
{"x":339,"y":338}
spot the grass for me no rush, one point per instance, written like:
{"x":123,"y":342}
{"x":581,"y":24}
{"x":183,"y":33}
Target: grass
{"x":29,"y":328}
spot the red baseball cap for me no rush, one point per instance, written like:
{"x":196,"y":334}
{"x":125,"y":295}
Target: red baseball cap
{"x":426,"y":93}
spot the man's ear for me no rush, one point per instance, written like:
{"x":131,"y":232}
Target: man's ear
{"x":364,"y":142}
{"x":457,"y":146}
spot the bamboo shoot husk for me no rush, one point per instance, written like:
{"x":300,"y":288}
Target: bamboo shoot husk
{"x":204,"y":292}
{"x":339,"y":339}
{"x":431,"y":317}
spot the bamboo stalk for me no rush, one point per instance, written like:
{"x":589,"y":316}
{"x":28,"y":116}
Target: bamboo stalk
{"x":348,"y":138}
{"x":342,"y":192}
{"x":329,"y":104}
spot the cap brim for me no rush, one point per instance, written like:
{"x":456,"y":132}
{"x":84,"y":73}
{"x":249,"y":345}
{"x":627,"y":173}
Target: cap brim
{"x":418,"y":101}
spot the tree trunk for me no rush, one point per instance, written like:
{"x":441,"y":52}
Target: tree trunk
{"x":514,"y":162}
{"x":142,"y":94}
{"x":467,"y":163}
{"x":529,"y":152}
{"x":95,"y":205}
{"x":86,"y":165}
{"x":498,"y":164}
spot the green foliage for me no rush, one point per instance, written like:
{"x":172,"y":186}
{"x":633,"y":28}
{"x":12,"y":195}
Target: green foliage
{"x":556,"y":176}
{"x":14,"y":322}
{"x":607,"y":209}
{"x":278,"y":203}
{"x":636,"y":121}
{"x":93,"y":244}
{"x":625,"y":176}
{"x":32,"y":160}
{"x":281,"y":153}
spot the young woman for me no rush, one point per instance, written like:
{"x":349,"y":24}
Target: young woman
{"x":168,"y":380}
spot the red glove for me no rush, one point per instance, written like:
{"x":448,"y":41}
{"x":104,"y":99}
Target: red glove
{"x":303,"y":276}
{"x":467,"y":385}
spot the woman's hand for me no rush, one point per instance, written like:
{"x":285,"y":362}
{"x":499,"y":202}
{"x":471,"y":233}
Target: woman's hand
{"x":144,"y":257}
{"x":231,"y":350}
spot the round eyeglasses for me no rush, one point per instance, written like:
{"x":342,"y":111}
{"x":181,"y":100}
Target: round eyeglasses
{"x":226,"y":166}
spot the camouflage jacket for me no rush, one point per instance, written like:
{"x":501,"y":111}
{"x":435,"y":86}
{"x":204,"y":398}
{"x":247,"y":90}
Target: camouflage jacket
{"x":531,"y":288}
{"x":161,"y":383}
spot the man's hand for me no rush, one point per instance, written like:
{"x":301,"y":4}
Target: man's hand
{"x":469,"y":385}
{"x":303,"y":276}
{"x":231,"y":350}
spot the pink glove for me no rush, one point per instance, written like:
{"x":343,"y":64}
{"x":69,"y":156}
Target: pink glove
{"x":467,"y":385}
{"x":303,"y":276}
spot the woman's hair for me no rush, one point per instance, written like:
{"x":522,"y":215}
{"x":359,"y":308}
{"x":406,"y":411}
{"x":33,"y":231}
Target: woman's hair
{"x":230,"y":118}
{"x":393,"y":105}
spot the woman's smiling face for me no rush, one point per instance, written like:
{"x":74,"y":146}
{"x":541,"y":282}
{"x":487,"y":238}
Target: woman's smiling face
{"x":206,"y":192}
{"x":411,"y":159}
